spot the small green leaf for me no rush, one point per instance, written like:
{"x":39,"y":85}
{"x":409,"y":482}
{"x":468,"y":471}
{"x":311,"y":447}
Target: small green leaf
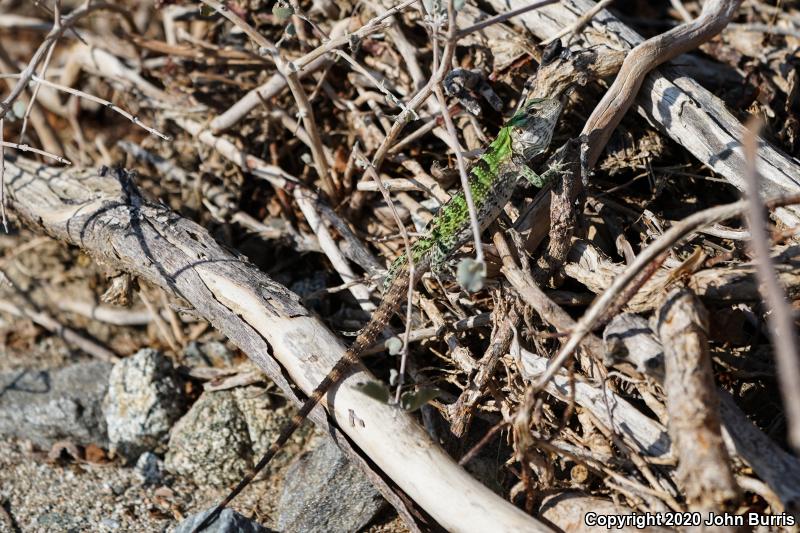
{"x":375,"y":390}
{"x":471,"y":275}
{"x":458,"y":5}
{"x":394,"y":345}
{"x":19,"y":109}
{"x":281,"y":12}
{"x":291,"y":31}
{"x":206,"y":11}
{"x":411,"y":401}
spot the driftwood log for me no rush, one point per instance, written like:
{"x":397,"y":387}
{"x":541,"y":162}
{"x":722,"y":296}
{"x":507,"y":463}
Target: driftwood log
{"x":106,"y":217}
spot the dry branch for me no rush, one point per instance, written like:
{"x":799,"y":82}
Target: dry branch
{"x":781,"y":320}
{"x":108,"y":219}
{"x":721,"y":284}
{"x":684,"y":110}
{"x":704,"y":471}
{"x":779,"y":469}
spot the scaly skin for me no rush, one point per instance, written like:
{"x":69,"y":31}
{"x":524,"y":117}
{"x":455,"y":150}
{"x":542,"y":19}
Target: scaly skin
{"x":492,"y":181}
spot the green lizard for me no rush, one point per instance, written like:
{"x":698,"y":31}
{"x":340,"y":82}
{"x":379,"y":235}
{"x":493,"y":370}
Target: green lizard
{"x":492,"y":180}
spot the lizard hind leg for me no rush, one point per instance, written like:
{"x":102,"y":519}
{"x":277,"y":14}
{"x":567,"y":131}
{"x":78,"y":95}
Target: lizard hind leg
{"x":439,"y":266}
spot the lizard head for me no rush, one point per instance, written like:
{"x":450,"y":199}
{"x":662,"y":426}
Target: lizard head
{"x":531,"y":128}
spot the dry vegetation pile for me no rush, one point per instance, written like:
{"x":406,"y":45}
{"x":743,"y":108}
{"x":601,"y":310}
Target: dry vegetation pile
{"x":281,"y":129}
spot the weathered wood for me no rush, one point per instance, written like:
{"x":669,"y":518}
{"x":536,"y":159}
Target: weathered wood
{"x":704,"y":467}
{"x":777,"y":468}
{"x":107,"y":218}
{"x":731,"y":284}
{"x":673,"y":101}
{"x":644,"y":434}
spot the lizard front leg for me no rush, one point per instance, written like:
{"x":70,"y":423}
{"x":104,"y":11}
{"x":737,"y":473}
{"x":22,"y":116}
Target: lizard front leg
{"x":554,"y":171}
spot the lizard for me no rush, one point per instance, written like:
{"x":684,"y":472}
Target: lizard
{"x":492,"y":180}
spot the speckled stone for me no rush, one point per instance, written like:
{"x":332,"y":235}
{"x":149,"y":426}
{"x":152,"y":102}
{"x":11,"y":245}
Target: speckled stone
{"x":50,"y":405}
{"x":144,"y":400}
{"x":225,"y":433}
{"x":228,"y":521}
{"x":150,"y":468}
{"x":211,"y":444}
{"x":323,"y":492}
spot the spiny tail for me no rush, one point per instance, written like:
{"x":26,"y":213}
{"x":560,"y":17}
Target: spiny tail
{"x":349,"y":359}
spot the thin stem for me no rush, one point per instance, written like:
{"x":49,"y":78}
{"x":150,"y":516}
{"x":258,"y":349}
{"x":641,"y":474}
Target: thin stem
{"x":451,"y":129}
{"x":780,"y":320}
{"x":669,"y":238}
{"x":370,"y":170}
{"x":497,"y":19}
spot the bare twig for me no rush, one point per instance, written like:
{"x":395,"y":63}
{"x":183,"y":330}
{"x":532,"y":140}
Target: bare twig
{"x":62,"y":25}
{"x":160,"y":324}
{"x":502,"y":17}
{"x":781,"y":321}
{"x":31,"y":149}
{"x":289,"y":72}
{"x":670,"y":237}
{"x":105,"y":103}
{"x":641,"y":60}
{"x":52,"y":325}
{"x":370,"y":171}
{"x":452,"y":37}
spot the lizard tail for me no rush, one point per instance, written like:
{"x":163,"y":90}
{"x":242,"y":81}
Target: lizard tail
{"x":365,"y":338}
{"x":336,"y":373}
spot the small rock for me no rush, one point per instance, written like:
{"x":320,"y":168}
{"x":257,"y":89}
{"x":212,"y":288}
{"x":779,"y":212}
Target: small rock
{"x":264,"y":423}
{"x":144,"y":400}
{"x":53,"y":521}
{"x":323,"y":492}
{"x":109,"y":524}
{"x":228,"y":521}
{"x":207,"y":354}
{"x":225,"y":433}
{"x":51,"y":405}
{"x":149,"y":467}
{"x":210,"y":444}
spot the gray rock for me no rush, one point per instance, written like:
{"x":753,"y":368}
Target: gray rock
{"x":323,"y":492}
{"x":211,"y":444}
{"x":51,"y":405}
{"x":211,"y":353}
{"x":228,"y":521}
{"x":144,"y":400}
{"x":264,"y":423}
{"x":149,"y":467}
{"x":225,"y":433}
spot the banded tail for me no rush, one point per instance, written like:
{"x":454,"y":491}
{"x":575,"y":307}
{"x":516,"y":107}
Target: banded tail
{"x":349,"y":359}
{"x":392,"y":300}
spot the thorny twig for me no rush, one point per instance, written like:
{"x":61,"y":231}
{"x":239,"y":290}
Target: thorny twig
{"x":102,"y":101}
{"x":26,"y":148}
